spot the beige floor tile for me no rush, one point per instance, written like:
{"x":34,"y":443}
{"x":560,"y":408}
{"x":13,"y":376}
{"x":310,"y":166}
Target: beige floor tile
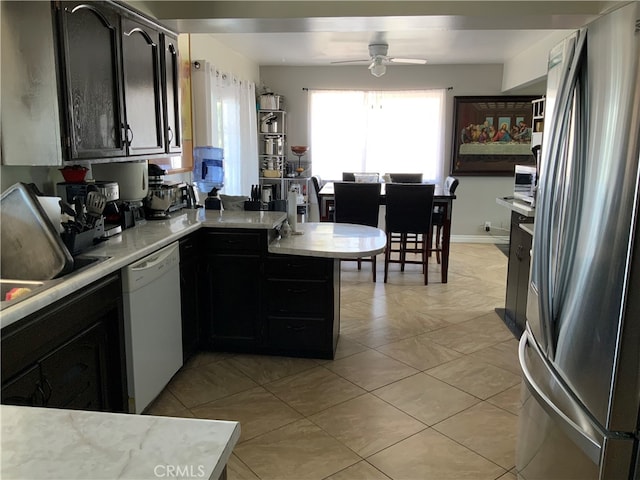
{"x":313,"y":390}
{"x":429,"y":455}
{"x":472,"y":335}
{"x":257,"y":410}
{"x":265,"y":368}
{"x":195,"y":386}
{"x":366,"y":424}
{"x":503,"y":355}
{"x":508,"y":476}
{"x":299,"y":451}
{"x":487,"y":430}
{"x":509,"y":400}
{"x":370,"y":369}
{"x":426,"y":398}
{"x":203,"y":358}
{"x":237,"y":470}
{"x":475,"y":377}
{"x":419,"y":352}
{"x":347,"y":346}
{"x":167,"y":405}
{"x":360,"y":471}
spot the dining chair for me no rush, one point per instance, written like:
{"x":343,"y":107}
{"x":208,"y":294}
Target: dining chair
{"x":361,"y":177}
{"x":358,"y":203}
{"x":437,"y":219}
{"x":405,"y":177}
{"x":317,"y":185}
{"x":409,"y":209}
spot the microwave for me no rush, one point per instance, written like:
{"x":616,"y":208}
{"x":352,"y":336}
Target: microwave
{"x":526,"y":184}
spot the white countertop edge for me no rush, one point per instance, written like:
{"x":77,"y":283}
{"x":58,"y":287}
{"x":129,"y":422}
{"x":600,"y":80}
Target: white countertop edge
{"x":516,"y":206}
{"x":137,"y":242}
{"x":116,"y":445}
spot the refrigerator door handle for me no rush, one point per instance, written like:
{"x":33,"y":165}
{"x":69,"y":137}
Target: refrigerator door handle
{"x":589,"y":445}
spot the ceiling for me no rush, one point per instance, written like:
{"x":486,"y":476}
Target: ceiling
{"x":296,"y":33}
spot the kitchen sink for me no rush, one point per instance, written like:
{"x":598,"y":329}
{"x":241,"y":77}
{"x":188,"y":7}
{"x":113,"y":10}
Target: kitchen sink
{"x":80,"y":264}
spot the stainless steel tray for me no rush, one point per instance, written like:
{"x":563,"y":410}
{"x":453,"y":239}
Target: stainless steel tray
{"x":31,"y":247}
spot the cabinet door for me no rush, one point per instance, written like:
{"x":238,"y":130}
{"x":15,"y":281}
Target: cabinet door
{"x":72,"y":376}
{"x":25,"y":389}
{"x":171,"y":82}
{"x":91,"y":87}
{"x":143,"y":104}
{"x":233,"y":304}
{"x":189,"y":298}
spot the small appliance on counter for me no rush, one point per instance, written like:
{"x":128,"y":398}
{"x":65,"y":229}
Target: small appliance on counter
{"x":132,"y":180}
{"x":163,"y":197}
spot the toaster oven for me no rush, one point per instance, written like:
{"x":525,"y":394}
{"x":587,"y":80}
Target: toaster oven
{"x":526,"y":184}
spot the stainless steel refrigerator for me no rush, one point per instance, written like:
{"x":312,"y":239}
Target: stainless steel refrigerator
{"x":580,"y":353}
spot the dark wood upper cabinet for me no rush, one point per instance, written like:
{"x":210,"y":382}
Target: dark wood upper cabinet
{"x":119,"y":82}
{"x":92,"y":109}
{"x":142,"y":83}
{"x":171,"y":81}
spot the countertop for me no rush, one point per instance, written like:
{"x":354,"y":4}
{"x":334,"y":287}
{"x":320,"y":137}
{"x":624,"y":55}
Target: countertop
{"x":527,"y":227}
{"x":320,"y":240}
{"x":53,"y":443}
{"x":333,"y":240}
{"x":516,"y":206}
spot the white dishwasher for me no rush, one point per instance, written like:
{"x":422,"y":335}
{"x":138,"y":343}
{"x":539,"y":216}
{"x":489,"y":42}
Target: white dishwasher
{"x":153,"y":324}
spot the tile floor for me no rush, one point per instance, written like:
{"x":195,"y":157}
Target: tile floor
{"x":425,"y":384}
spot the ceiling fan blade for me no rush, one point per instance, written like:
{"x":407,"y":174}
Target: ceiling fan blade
{"x":352,"y":61}
{"x":413,"y":61}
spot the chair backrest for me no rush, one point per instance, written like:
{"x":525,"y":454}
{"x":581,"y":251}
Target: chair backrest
{"x":317,"y":185}
{"x":405,"y":177}
{"x":450,"y":184}
{"x":357,"y":203}
{"x":409,"y":207}
{"x":361,"y":177}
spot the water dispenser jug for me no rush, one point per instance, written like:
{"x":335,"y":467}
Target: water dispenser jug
{"x":208,"y":168}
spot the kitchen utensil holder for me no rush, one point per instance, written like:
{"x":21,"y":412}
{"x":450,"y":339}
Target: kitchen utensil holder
{"x":77,"y":242}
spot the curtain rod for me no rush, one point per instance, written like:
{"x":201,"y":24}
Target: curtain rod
{"x":306,"y":89}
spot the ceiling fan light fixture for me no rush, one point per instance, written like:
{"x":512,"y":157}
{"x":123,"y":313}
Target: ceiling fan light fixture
{"x":378,"y":68}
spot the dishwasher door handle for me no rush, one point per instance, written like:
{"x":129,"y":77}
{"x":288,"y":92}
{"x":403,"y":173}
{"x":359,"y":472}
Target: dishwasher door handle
{"x":153,"y":260}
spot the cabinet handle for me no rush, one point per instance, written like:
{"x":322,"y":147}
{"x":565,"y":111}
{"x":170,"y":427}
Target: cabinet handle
{"x":170,"y":134}
{"x":295,"y":265}
{"x":41,"y":401}
{"x":129,"y":131}
{"x":296,"y":328}
{"x":297,"y":290}
{"x":47,"y":396}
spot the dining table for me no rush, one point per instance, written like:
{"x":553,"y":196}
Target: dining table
{"x":442,"y":198}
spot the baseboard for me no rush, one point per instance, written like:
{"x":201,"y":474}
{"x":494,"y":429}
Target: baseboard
{"x":500,"y":239}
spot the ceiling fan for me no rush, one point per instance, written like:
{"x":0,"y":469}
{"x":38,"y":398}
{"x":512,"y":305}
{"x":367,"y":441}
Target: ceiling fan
{"x":379,"y":59}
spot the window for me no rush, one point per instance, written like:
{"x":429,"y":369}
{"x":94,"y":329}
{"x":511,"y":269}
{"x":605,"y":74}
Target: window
{"x":377,"y":131}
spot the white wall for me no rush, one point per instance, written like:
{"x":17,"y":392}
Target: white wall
{"x":476,"y":195}
{"x":205,"y":47}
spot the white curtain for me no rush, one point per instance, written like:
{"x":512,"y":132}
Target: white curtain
{"x":377,"y":131}
{"x":225,"y":117}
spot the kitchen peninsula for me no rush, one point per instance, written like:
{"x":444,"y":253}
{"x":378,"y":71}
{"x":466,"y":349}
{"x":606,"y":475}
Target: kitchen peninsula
{"x":55,"y":443}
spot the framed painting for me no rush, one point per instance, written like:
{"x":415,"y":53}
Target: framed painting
{"x":491,"y":135}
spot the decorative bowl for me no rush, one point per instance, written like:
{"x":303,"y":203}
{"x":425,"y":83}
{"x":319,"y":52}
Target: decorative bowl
{"x":271,"y":173}
{"x":299,"y":149}
{"x":74,"y":174}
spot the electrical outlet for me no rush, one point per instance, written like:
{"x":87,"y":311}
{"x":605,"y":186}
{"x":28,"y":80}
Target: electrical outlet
{"x":487,"y":226}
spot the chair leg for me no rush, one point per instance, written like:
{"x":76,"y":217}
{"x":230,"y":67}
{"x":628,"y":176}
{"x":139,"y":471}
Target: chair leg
{"x":438,"y":235}
{"x":373,"y":267}
{"x":403,"y":250}
{"x":387,"y":256}
{"x":425,"y":262}
{"x":359,"y":264}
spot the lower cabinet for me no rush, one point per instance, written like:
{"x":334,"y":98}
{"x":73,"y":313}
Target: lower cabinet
{"x":518,"y":275}
{"x":69,"y":355}
{"x":189,"y":297}
{"x":261,"y":303}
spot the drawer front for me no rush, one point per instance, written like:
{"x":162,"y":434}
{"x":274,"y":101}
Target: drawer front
{"x":233,"y":242}
{"x":297,"y":334}
{"x":297,"y":298}
{"x":294,"y":267}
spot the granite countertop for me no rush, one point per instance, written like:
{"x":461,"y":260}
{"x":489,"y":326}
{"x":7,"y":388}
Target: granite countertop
{"x":527,"y":227}
{"x":53,"y":443}
{"x":320,"y":240}
{"x":517,"y":206}
{"x":332,"y":240}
